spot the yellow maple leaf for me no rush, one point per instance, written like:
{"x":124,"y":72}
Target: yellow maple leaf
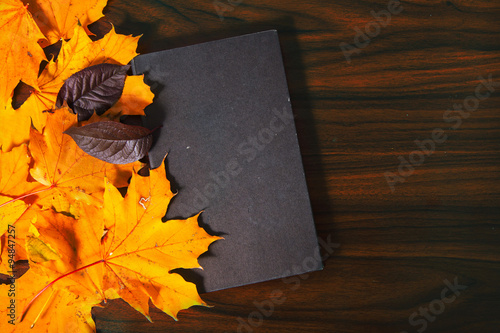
{"x":13,"y":136}
{"x":135,"y":97}
{"x":20,"y":54}
{"x":80,"y":52}
{"x":125,"y":250}
{"x":57,"y":19}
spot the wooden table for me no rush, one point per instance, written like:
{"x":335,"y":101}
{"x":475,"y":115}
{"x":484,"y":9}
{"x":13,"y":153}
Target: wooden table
{"x":414,"y":219}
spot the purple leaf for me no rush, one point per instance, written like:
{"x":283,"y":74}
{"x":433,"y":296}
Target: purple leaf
{"x":95,"y":88}
{"x":113,"y":142}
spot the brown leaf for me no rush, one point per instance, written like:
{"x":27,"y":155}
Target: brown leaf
{"x":113,"y":142}
{"x":80,"y":52}
{"x":95,"y":88}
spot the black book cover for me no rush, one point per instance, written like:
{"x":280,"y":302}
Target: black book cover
{"x":229,"y":132}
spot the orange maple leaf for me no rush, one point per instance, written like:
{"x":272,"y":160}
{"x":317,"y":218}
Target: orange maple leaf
{"x":14,"y":172}
{"x":57,"y":19}
{"x":14,"y":182}
{"x":64,"y":307}
{"x":63,"y":172}
{"x":60,"y":165}
{"x":80,"y":52}
{"x":20,"y":54}
{"x":123,"y":250}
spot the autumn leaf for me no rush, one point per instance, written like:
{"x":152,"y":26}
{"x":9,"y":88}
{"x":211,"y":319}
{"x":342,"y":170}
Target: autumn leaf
{"x":57,"y":19}
{"x":64,"y":168}
{"x":62,"y":307}
{"x":14,"y":167}
{"x":14,"y":172}
{"x":13,"y":136}
{"x":15,"y":215}
{"x":79,"y":53}
{"x":21,"y":220}
{"x":95,"y":88}
{"x":125,"y":250}
{"x":135,"y":97}
{"x":20,"y":54}
{"x":86,"y":242}
{"x":62,"y":171}
{"x":113,"y":142}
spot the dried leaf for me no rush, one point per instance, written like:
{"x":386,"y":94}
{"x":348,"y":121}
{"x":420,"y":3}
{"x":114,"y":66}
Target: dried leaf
{"x":14,"y":172}
{"x":113,"y":142}
{"x":62,"y":307}
{"x":20,"y":54}
{"x":13,"y":136}
{"x":15,"y":214}
{"x":135,"y":97}
{"x":38,"y":250}
{"x":135,"y":258}
{"x":95,"y":88}
{"x":57,"y":19}
{"x":60,"y":168}
{"x":63,"y":167}
{"x":14,"y":167}
{"x":80,"y":52}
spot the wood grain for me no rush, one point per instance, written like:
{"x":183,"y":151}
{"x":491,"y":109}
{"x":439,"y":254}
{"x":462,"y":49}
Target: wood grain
{"x":397,"y":249}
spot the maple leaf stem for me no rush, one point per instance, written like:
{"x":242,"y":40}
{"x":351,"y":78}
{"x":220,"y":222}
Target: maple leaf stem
{"x":27,"y":195}
{"x":50,"y":284}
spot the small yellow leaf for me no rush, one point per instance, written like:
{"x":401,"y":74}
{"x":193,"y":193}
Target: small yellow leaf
{"x":38,"y":250}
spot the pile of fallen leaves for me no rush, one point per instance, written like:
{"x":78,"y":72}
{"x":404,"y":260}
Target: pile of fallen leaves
{"x":91,"y":230}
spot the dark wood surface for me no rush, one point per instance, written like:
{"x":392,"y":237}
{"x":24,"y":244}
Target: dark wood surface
{"x":355,"y":121}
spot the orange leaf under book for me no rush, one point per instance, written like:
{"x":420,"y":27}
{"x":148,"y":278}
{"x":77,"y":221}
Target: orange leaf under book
{"x":135,"y":97}
{"x":121,"y":251}
{"x":20,"y":53}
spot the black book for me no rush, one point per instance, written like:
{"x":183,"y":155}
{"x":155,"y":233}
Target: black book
{"x":229,"y":132}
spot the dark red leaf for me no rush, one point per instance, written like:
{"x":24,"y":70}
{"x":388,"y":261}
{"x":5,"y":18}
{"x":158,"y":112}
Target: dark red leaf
{"x":95,"y":88}
{"x":113,"y":142}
